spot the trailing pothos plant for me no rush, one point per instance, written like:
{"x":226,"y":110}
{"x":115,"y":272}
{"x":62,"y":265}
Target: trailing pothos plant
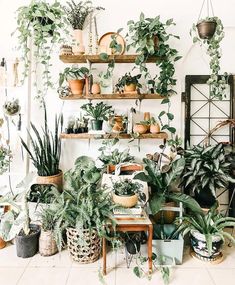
{"x":149,"y":38}
{"x":216,"y":82}
{"x":40,"y":25}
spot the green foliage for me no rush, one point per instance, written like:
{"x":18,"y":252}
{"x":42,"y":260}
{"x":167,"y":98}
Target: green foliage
{"x":46,"y":147}
{"x":206,"y":169}
{"x":72,"y":73}
{"x":217,"y":83}
{"x":111,"y":155}
{"x":11,"y":107}
{"x":84,"y":205}
{"x":100,"y":111}
{"x":41,"y":194}
{"x":42,"y":24}
{"x":5,"y":158}
{"x":49,"y":217}
{"x":128,"y":79}
{"x":209,"y":224}
{"x":126,"y":187}
{"x":78,"y":12}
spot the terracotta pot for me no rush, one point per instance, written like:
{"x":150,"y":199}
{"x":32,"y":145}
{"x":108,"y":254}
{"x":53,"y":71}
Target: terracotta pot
{"x":118,"y":124}
{"x":167,"y":216}
{"x":125,"y":201}
{"x":2,"y":243}
{"x":76,"y":86}
{"x":130,"y":88}
{"x":56,"y":180}
{"x":156,"y":42}
{"x":146,"y":116}
{"x":206,"y":29}
{"x":141,"y":129}
{"x":155,"y":128}
{"x":78,"y":48}
{"x":95,"y":88}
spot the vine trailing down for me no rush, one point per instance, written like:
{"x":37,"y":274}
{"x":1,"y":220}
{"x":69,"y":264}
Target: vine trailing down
{"x":216,"y":81}
{"x":150,"y":38}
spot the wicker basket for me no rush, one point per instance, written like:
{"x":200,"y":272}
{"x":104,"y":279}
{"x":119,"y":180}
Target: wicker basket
{"x":87,"y":252}
{"x":47,"y":244}
{"x":56,"y":180}
{"x":125,"y":201}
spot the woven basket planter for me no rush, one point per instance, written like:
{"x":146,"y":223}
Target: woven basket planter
{"x":125,"y":201}
{"x":89,"y":250}
{"x":47,"y":244}
{"x":56,"y":180}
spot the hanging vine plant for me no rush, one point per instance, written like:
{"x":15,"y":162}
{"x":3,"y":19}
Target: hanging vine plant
{"x":149,"y":38}
{"x":40,"y":25}
{"x":216,"y":81}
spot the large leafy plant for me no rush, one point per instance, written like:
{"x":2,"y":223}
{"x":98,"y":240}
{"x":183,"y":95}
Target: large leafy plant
{"x":209,"y":224}
{"x":149,"y":37}
{"x":46,"y":147}
{"x":43,"y":25}
{"x":126,"y":187}
{"x":100,"y":111}
{"x":216,"y":82}
{"x":111,"y":155}
{"x":206,"y":169}
{"x":78,"y":12}
{"x":73,"y":73}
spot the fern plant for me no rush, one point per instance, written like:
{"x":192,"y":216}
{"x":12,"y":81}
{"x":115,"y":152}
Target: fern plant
{"x":46,"y":147}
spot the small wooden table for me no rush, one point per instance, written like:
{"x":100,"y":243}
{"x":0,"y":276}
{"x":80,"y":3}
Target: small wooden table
{"x":133,"y":225}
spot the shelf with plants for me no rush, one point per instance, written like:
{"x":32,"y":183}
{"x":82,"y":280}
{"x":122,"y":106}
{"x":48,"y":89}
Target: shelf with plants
{"x":114,"y":96}
{"x":119,"y":58}
{"x":161,"y":135}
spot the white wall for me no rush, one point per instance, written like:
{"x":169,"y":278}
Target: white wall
{"x":116,"y":15}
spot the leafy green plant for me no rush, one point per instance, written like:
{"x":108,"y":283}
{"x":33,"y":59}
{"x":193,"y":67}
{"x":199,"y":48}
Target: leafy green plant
{"x":126,"y":187}
{"x":41,"y":194}
{"x":49,"y":217}
{"x":78,"y":12}
{"x":46,"y":147}
{"x":11,"y":107}
{"x":206,"y":169}
{"x":209,"y":224}
{"x":128,"y":79}
{"x":5,"y":158}
{"x":111,"y":155}
{"x":100,"y":111}
{"x":72,"y":73}
{"x":217,"y":83}
{"x":149,"y":37}
{"x":42,"y":24}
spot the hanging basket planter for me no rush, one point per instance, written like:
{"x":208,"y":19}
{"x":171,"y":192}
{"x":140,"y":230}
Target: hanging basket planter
{"x":206,"y":29}
{"x":11,"y":107}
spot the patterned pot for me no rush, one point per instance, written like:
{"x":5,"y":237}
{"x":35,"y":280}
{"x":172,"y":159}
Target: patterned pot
{"x":198,"y":243}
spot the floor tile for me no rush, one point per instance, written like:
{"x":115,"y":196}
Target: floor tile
{"x":58,"y":260}
{"x":89,"y":276}
{"x":44,"y":276}
{"x":222,"y":275}
{"x":8,"y":257}
{"x":10,"y":276}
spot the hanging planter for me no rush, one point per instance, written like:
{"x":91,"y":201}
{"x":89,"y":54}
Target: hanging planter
{"x":11,"y":107}
{"x":206,"y":28}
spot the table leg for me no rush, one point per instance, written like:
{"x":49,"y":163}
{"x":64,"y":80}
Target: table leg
{"x":150,"y":237}
{"x":104,"y":256}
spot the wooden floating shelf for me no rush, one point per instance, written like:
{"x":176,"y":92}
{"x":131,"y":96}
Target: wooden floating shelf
{"x":115,"y":96}
{"x":161,"y":135}
{"x":84,"y":58}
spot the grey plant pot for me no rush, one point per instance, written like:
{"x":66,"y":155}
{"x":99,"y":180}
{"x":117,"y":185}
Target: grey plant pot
{"x":172,"y":248}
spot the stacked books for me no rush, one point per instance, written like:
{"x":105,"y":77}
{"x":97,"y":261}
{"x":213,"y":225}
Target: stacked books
{"x":128,"y":213}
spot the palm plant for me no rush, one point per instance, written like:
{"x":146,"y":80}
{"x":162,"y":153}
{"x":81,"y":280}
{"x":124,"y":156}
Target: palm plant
{"x":46,"y":147}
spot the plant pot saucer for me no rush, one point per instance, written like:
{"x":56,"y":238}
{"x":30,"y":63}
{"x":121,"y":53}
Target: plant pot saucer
{"x":215,"y":261}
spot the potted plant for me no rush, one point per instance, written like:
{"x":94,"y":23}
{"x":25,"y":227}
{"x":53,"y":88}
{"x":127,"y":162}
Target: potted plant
{"x":141,"y":127}
{"x":210,"y":32}
{"x":118,"y":123}
{"x":45,"y":153}
{"x":16,"y":223}
{"x":206,"y":169}
{"x":76,"y":16}
{"x":125,"y":192}
{"x":42,"y":24}
{"x":99,"y":113}
{"x":86,"y":224}
{"x":75,"y":77}
{"x":47,"y":242}
{"x":207,"y":232}
{"x":154,"y":126}
{"x":11,"y":107}
{"x":128,"y":82}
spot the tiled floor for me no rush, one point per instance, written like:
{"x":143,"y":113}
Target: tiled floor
{"x":61,"y":270}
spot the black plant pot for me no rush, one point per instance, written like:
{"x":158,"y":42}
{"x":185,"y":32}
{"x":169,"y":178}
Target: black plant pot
{"x":205,"y":199}
{"x":132,"y":246}
{"x":96,"y":125}
{"x":27,"y":246}
{"x":206,"y":29}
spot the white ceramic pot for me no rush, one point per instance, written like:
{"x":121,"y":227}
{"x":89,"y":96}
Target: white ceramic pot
{"x":78,"y":47}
